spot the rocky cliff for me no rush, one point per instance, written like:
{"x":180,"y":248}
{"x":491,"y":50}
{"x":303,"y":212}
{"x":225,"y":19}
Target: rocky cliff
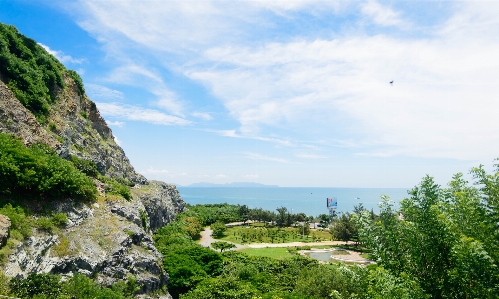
{"x":110,"y":239}
{"x":73,"y":127}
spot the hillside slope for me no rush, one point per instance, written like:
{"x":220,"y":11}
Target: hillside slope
{"x":109,"y":239}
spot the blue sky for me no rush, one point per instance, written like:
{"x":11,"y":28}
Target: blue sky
{"x":291,"y":93}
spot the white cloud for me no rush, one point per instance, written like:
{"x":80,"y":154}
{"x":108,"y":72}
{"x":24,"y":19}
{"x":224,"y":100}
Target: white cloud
{"x":381,"y":15}
{"x":441,"y":104}
{"x":116,"y":123}
{"x":309,"y":156}
{"x":118,"y":142}
{"x":172,"y":174}
{"x":256,"y":156}
{"x":234,"y":134}
{"x":163,"y":172}
{"x":251,"y":176}
{"x":335,"y":87}
{"x":135,"y":113}
{"x":202,"y":115}
{"x":140,"y":76}
{"x":102,"y":93}
{"x":63,"y":57}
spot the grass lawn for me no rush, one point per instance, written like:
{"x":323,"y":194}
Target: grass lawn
{"x":259,"y":234}
{"x":276,"y":252}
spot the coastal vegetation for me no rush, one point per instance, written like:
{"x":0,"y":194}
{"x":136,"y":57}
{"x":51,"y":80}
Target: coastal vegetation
{"x":441,"y":243}
{"x":37,"y":173}
{"x":30,"y":71}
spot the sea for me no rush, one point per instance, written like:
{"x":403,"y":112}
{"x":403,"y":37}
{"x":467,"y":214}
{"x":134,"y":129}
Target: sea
{"x":311,"y":201}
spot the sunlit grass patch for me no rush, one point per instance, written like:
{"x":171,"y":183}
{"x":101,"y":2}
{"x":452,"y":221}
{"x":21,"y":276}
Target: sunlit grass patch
{"x":273,"y":252}
{"x":259,"y":234}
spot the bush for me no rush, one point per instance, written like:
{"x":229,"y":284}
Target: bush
{"x":218,"y":229}
{"x":86,"y":166}
{"x":20,"y":223}
{"x":113,"y":186}
{"x":31,"y":72}
{"x":77,"y":79}
{"x":47,"y":285}
{"x":38,"y":173}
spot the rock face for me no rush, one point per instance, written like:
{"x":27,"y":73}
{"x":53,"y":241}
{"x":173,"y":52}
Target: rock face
{"x":19,"y":121}
{"x":110,"y":240}
{"x":74,"y":127}
{"x":162,"y":202}
{"x":4,"y":229}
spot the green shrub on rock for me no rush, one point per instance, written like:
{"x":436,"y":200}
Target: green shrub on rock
{"x":31,"y":72}
{"x":38,"y":173}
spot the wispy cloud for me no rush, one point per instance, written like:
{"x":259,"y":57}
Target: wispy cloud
{"x":118,"y":142}
{"x":256,"y":156}
{"x":202,"y":115}
{"x":235,"y":134}
{"x":144,"y":77}
{"x":102,"y":93}
{"x":329,"y":87}
{"x":309,"y":156}
{"x":135,"y":113}
{"x":172,"y":174}
{"x":116,"y":123}
{"x":382,"y":15}
{"x":63,"y":57}
{"x":251,"y":176}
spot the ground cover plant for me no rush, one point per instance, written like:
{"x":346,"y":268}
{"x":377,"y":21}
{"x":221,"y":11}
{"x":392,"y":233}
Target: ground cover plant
{"x":261,"y":234}
{"x":272,"y":252}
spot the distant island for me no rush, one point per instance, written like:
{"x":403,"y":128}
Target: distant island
{"x":232,"y":185}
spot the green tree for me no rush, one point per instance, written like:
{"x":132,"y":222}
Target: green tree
{"x":444,"y":238}
{"x":191,"y":225}
{"x":222,"y":246}
{"x":222,"y":288}
{"x":344,"y":228}
{"x":303,"y":229}
{"x":283,"y":217}
{"x":218,"y":229}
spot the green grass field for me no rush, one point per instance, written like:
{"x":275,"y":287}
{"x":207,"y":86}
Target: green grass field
{"x":259,"y":234}
{"x":276,"y":252}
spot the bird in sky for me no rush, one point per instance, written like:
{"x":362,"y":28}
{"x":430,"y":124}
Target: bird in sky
{"x":391,"y":82}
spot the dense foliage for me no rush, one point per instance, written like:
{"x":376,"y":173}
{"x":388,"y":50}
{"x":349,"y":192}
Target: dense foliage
{"x":51,"y":287}
{"x":30,"y":71}
{"x":199,"y":272}
{"x":37,"y":172}
{"x":186,"y":262}
{"x":86,"y":166}
{"x":445,"y":238}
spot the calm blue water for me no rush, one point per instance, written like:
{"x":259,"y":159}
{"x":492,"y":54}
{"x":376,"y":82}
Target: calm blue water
{"x":311,"y":201}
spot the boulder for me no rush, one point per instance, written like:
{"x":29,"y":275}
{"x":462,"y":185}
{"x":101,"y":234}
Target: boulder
{"x":4,"y":229}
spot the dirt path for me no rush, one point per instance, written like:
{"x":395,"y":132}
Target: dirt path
{"x":207,"y":239}
{"x":353,"y":256}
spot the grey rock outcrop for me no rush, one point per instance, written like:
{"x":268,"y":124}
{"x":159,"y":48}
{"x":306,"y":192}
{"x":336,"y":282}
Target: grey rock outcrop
{"x":161,"y":201}
{"x":4,"y":229}
{"x":110,"y":240}
{"x":74,"y":127}
{"x":17,"y":120}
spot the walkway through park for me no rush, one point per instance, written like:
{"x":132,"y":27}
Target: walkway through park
{"x":207,"y":239}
